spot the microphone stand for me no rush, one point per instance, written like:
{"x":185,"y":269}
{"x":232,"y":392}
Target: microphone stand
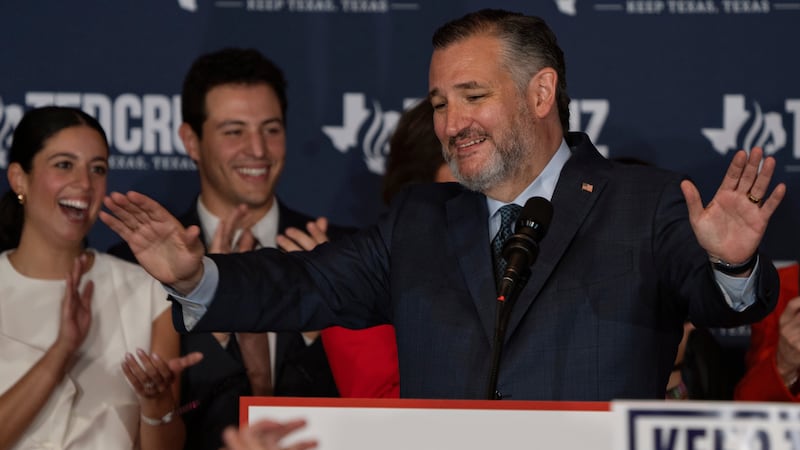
{"x":519,"y":251}
{"x":502,"y":313}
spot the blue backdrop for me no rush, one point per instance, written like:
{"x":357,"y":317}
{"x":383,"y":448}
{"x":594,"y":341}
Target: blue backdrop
{"x":678,"y":83}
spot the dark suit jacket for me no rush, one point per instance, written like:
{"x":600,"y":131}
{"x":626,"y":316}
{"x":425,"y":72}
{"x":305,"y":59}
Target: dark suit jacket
{"x":600,"y":317}
{"x":219,"y":379}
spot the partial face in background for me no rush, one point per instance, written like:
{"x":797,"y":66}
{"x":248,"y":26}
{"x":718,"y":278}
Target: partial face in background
{"x":480,"y":116}
{"x":243,"y":147}
{"x":444,"y":174}
{"x":65,"y":188}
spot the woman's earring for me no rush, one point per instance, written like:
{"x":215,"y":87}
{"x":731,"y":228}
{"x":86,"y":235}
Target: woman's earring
{"x":21,"y":198}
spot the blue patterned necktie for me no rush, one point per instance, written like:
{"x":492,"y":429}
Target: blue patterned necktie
{"x":508,"y":215}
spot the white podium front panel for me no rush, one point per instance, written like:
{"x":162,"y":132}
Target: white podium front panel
{"x":361,"y":424}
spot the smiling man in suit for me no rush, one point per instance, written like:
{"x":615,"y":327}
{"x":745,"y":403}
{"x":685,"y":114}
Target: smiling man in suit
{"x":630,"y":255}
{"x":234,"y":108}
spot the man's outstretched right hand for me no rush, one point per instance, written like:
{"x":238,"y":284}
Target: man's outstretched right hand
{"x":169,"y":252}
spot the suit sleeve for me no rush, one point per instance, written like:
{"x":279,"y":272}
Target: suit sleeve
{"x":344,"y":282}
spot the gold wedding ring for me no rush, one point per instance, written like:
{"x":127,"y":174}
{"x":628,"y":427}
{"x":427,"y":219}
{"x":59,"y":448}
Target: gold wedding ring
{"x":755,"y":200}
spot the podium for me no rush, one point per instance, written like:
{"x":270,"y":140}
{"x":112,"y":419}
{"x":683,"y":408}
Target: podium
{"x":361,"y":424}
{"x":404,"y":424}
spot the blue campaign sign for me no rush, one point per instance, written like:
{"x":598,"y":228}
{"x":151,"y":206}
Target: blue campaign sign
{"x":681,"y":84}
{"x":701,"y":426}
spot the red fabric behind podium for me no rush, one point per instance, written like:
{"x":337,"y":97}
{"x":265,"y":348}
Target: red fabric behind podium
{"x":762,"y":381}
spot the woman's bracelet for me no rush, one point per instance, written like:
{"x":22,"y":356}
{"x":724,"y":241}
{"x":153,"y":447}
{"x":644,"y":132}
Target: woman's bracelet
{"x":166,"y":418}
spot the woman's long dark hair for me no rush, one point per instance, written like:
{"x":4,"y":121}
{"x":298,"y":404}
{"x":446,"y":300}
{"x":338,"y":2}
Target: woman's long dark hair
{"x":30,"y":136}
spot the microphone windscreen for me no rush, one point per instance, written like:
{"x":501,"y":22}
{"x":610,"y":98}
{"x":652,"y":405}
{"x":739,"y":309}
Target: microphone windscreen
{"x":535,"y":217}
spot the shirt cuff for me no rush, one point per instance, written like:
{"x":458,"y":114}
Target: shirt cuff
{"x":195,"y":304}
{"x":740,"y":293}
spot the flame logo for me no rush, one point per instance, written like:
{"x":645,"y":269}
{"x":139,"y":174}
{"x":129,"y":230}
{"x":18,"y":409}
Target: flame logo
{"x":188,"y":5}
{"x":766,"y":132}
{"x":375,"y":145}
{"x":567,"y":7}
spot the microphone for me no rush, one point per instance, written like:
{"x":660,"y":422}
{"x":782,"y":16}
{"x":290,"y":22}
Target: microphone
{"x":522,"y":248}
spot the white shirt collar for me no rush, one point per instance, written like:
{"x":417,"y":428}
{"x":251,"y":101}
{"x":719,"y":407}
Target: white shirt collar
{"x":264,"y":230}
{"x":543,"y":186}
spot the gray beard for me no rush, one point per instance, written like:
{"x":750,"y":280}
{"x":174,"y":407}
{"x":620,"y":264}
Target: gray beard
{"x":502,"y":165}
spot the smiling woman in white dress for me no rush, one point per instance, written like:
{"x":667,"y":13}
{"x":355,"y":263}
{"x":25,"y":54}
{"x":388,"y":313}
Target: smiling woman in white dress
{"x":71,"y":318}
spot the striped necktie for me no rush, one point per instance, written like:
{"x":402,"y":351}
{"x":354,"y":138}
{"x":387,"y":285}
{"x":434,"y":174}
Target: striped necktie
{"x":508,"y":214}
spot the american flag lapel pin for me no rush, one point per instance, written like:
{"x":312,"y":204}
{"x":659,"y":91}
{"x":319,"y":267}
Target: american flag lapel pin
{"x":587,"y":187}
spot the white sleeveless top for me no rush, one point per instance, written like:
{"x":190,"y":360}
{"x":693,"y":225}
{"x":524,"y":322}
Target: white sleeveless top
{"x":93,"y":408}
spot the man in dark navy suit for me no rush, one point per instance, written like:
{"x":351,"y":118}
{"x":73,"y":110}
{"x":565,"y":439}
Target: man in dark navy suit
{"x":630,"y":255}
{"x":234,"y":108}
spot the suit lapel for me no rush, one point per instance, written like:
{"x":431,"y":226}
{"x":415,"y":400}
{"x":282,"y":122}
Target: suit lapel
{"x":580,"y":184}
{"x":468,"y":233}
